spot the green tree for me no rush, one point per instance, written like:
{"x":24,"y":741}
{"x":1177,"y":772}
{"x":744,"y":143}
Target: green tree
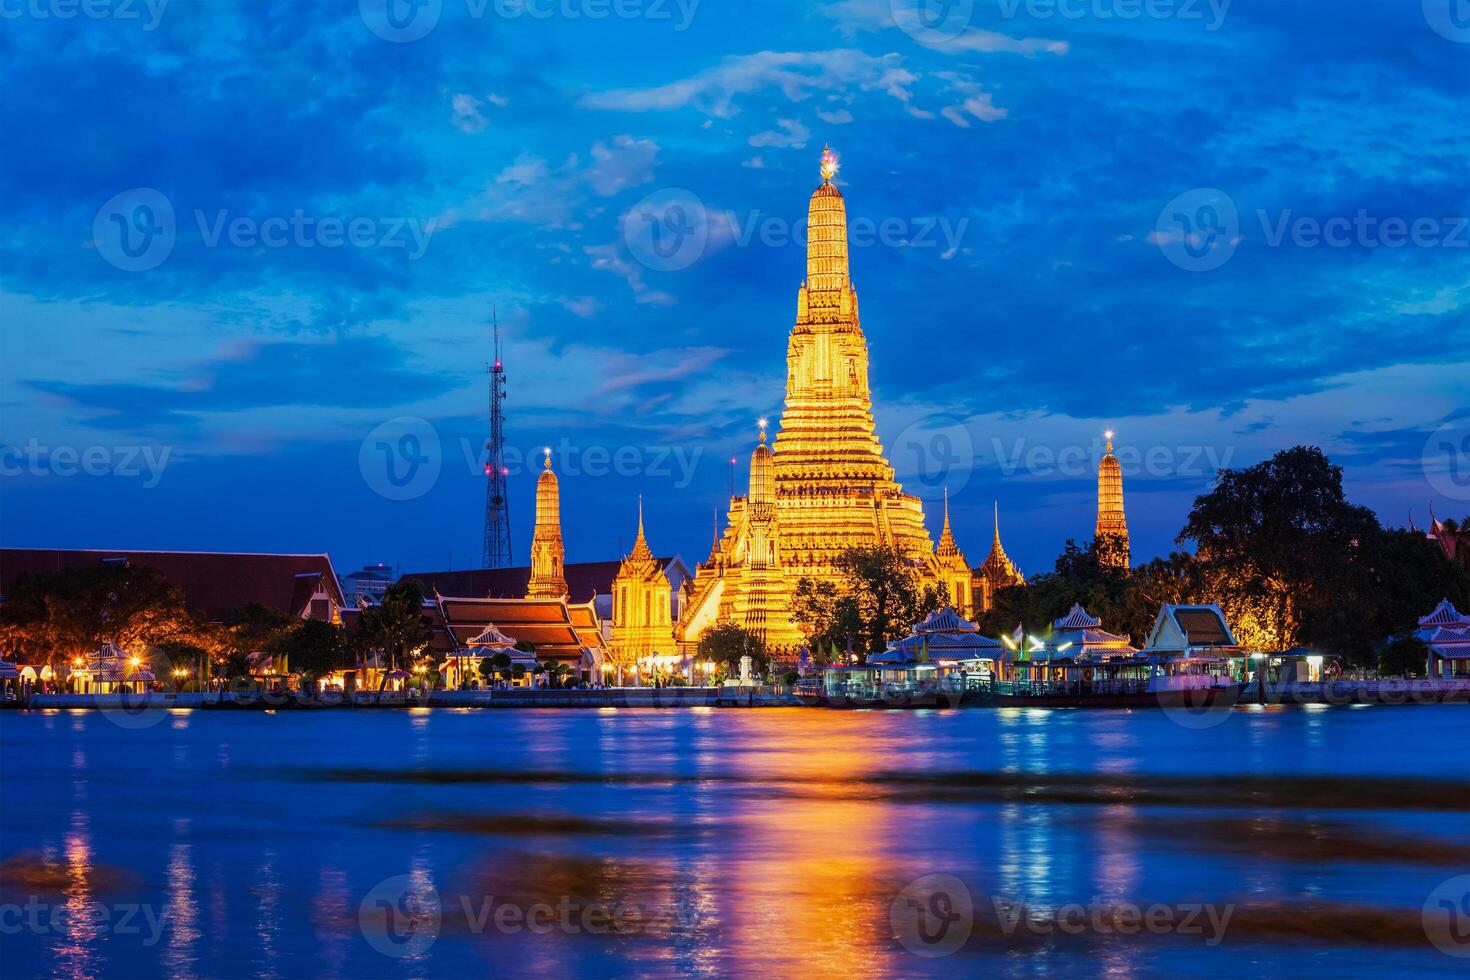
{"x":726,"y":642}
{"x":1403,"y":656}
{"x":56,"y":618}
{"x":313,"y":648}
{"x":1282,"y":548}
{"x":395,"y":627}
{"x":879,"y":597}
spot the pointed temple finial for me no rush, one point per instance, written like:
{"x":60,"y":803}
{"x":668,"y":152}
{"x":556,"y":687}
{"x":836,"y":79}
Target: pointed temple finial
{"x":946,"y":506}
{"x":548,"y":457}
{"x":1109,"y":436}
{"x":997,"y":523}
{"x":829,"y":164}
{"x":640,"y":515}
{"x":762,"y":423}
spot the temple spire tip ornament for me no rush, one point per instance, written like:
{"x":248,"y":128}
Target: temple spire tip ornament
{"x":829,"y":164}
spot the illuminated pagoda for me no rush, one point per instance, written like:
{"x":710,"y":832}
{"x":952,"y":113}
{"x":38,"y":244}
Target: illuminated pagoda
{"x":642,"y":618}
{"x":1112,"y":525}
{"x":998,"y":572}
{"x":548,"y":553}
{"x":824,"y":485}
{"x":952,"y":568}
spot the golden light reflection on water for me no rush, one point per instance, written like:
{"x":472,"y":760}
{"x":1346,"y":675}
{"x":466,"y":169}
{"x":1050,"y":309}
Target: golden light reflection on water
{"x":180,"y":954}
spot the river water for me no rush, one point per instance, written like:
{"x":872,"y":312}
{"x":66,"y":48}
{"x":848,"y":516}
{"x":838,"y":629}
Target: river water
{"x":1017,"y":842}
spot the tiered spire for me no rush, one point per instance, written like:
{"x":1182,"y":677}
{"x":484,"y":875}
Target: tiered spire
{"x":947,"y":546}
{"x":548,"y":552}
{"x":1112,"y":523}
{"x":641,"y":551}
{"x":998,"y":566}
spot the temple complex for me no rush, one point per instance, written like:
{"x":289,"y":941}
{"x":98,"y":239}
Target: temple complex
{"x":1112,"y":525}
{"x":824,"y":485}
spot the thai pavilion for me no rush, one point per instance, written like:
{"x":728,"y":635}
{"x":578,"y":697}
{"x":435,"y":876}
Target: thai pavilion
{"x":1446,"y":632}
{"x":1076,"y":651}
{"x":945,"y":651}
{"x":111,"y":671}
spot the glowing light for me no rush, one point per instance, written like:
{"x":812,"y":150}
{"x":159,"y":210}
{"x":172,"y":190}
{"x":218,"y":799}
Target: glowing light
{"x":762,"y":423}
{"x":1108,"y":434}
{"x":829,"y":163}
{"x":135,"y":661}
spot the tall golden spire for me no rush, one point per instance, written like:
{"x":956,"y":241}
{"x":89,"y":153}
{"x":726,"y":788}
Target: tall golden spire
{"x":947,"y":545}
{"x":548,"y":553}
{"x":1112,"y":523}
{"x":998,"y":566}
{"x":641,"y":551}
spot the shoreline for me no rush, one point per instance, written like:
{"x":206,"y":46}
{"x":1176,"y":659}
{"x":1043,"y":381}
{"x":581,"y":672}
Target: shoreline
{"x":1387,"y":692}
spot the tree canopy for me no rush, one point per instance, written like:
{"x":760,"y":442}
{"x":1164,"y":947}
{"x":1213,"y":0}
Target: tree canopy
{"x":56,"y":617}
{"x":878,"y":597}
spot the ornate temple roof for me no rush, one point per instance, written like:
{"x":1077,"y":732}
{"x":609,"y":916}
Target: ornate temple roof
{"x":1445,"y":614}
{"x":998,"y":566}
{"x":1077,"y":618}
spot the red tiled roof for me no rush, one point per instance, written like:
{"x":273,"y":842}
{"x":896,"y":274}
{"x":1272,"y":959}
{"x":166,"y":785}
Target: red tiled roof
{"x":584,"y":579}
{"x":214,"y":583}
{"x":550,"y":624}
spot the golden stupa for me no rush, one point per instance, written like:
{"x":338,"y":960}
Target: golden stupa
{"x":824,"y":485}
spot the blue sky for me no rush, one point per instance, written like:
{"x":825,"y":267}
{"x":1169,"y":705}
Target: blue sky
{"x":1079,"y":214}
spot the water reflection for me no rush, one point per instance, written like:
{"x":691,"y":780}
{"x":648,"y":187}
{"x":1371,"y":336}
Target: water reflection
{"x":777,"y":838}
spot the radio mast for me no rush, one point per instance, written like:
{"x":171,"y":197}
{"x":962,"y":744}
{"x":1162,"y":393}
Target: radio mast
{"x":497,"y":503}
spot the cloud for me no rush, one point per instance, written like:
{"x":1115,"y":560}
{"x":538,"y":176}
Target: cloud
{"x":627,"y":162}
{"x":607,"y":258}
{"x":855,"y":16}
{"x":796,"y":74}
{"x":467,"y":115}
{"x":530,"y":190}
{"x":788,"y":133}
{"x":347,"y":372}
{"x":837,"y":118}
{"x":980,"y":107}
